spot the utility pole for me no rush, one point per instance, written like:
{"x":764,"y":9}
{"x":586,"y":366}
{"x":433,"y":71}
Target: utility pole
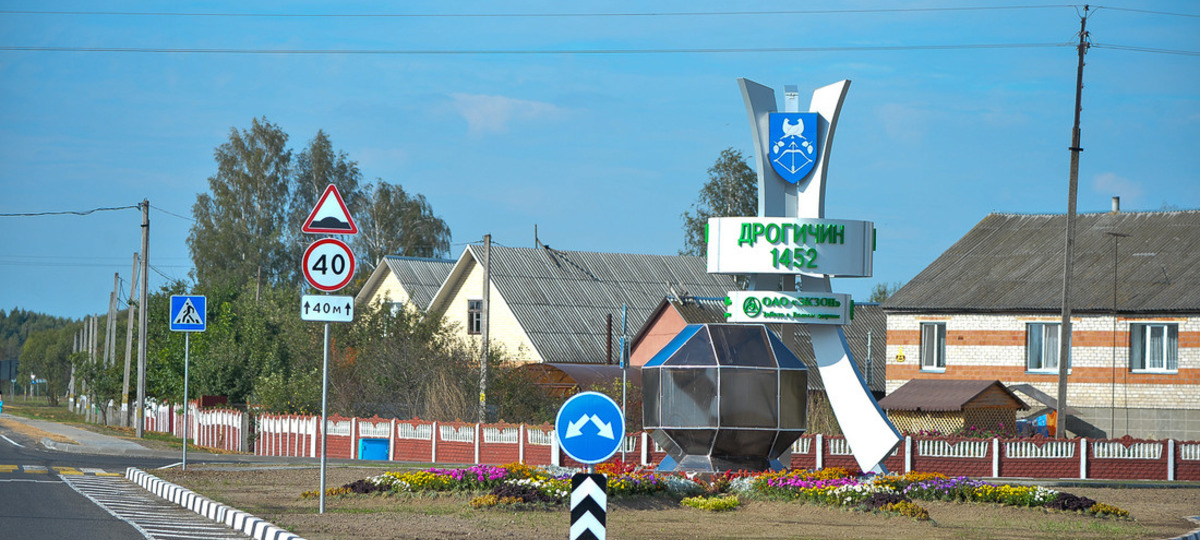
{"x":110,"y":325}
{"x":129,"y":345}
{"x":1064,"y":339}
{"x":142,"y":309}
{"x":483,"y":326}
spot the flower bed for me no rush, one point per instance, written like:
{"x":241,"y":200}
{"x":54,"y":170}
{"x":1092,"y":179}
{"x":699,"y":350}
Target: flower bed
{"x":517,"y":484}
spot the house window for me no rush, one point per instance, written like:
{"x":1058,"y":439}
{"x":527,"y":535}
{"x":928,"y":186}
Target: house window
{"x":1041,"y":346}
{"x":933,"y":346}
{"x":1154,"y":347}
{"x":474,"y":316}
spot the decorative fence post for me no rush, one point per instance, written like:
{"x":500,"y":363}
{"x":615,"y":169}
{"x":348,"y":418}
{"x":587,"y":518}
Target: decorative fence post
{"x":1083,"y":458}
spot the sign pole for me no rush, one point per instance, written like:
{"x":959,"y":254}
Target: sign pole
{"x":187,"y":342}
{"x":324,"y":413}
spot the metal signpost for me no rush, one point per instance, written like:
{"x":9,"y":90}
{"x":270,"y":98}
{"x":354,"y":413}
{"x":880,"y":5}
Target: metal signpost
{"x":188,"y":314}
{"x":328,"y":266}
{"x":590,"y":428}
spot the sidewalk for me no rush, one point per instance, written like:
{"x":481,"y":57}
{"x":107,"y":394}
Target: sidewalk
{"x":91,"y":442}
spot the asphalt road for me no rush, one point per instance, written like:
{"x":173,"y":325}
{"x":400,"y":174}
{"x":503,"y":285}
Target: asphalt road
{"x":36,"y":503}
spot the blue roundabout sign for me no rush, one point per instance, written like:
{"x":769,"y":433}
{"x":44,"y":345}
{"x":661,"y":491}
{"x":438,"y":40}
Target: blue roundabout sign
{"x":590,"y":427}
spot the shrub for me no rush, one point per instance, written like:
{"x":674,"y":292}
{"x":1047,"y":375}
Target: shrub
{"x":489,"y":500}
{"x":881,"y":499}
{"x":908,"y":509}
{"x":1101,"y":509}
{"x":712,"y":504}
{"x":682,"y":486}
{"x":523,"y":493}
{"x":1070,"y":503}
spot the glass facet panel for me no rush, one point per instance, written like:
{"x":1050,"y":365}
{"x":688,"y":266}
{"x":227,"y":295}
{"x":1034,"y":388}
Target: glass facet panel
{"x":693,"y":441}
{"x":696,"y":352}
{"x":748,"y":398}
{"x":673,"y":346}
{"x":689,"y":397}
{"x":784,"y":356}
{"x":741,"y":345}
{"x":793,"y":399}
{"x":743,"y":442}
{"x":650,"y":386}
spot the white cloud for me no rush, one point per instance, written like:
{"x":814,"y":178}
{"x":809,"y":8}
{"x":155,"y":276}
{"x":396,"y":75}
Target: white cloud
{"x":494,"y":114}
{"x":1116,"y":185}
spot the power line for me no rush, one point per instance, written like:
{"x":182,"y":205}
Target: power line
{"x":1144,"y":49}
{"x":532,"y":15}
{"x":70,"y":212}
{"x":1147,"y":11}
{"x":452,"y":52}
{"x":169,"y":213}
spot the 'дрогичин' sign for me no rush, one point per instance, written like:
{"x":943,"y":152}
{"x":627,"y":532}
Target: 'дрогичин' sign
{"x":817,"y":247}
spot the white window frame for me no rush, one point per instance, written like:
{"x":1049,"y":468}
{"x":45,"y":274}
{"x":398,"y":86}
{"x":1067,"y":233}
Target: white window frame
{"x":937,"y":363}
{"x":474,"y":316}
{"x":1142,"y":343}
{"x":1043,"y":331}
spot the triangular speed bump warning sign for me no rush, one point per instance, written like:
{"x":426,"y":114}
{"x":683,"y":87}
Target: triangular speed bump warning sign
{"x":330,"y":215}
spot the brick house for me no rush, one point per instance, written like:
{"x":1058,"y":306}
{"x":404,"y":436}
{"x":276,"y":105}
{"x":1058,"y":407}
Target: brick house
{"x":990,"y":308}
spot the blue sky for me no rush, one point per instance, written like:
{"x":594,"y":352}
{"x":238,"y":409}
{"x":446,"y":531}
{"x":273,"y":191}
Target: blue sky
{"x":602,"y":151}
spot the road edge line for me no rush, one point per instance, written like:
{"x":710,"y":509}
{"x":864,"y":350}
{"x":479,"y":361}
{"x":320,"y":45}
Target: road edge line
{"x":233,"y":518}
{"x":135,"y":526}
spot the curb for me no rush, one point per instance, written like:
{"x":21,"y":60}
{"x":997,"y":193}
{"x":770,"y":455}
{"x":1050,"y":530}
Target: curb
{"x":1194,"y":535}
{"x":235,"y":519}
{"x":81,"y":449}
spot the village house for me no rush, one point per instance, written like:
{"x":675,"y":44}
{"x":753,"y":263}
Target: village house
{"x":989,"y":308}
{"x":552,"y":306}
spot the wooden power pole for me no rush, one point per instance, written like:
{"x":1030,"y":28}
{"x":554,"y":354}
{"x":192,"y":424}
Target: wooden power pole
{"x":1064,"y":339}
{"x":483,"y":326}
{"x":142,"y":312}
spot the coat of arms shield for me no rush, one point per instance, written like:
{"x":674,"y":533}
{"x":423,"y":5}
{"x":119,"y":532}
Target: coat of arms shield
{"x":793,"y":142}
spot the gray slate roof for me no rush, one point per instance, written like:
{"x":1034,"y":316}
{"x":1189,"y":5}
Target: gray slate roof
{"x":561,"y":298}
{"x":421,"y":277}
{"x":1014,"y":263}
{"x":868,"y":317}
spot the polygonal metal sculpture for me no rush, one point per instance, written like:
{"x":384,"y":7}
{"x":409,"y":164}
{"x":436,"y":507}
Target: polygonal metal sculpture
{"x":723,"y":397}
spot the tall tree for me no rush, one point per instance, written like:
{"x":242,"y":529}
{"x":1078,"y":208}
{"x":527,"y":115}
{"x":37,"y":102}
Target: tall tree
{"x":317,"y":167}
{"x":46,"y":355}
{"x":238,"y":235}
{"x":731,"y":191}
{"x":882,"y":291}
{"x":392,"y":222}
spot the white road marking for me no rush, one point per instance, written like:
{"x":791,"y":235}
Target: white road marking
{"x":153,"y":516}
{"x":15,"y":443}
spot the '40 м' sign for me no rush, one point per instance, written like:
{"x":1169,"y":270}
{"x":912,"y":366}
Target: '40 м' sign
{"x":829,"y":247}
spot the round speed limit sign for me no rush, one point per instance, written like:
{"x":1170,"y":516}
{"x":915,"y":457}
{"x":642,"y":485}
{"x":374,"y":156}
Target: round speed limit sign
{"x":328,"y":264}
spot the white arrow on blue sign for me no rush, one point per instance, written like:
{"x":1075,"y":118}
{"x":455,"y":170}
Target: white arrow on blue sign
{"x":590,"y":427}
{"x":188,"y":313}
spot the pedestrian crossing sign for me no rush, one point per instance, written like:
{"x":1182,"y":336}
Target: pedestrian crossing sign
{"x":188,"y":313}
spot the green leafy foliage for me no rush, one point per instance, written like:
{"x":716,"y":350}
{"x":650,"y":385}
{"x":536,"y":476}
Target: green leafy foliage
{"x":731,"y":191}
{"x":395,"y":222}
{"x":238,"y":234}
{"x":47,"y":355}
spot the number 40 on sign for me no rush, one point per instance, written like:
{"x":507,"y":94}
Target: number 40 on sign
{"x":328,"y":264}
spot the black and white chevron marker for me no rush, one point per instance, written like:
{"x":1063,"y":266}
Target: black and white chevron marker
{"x":589,"y":501}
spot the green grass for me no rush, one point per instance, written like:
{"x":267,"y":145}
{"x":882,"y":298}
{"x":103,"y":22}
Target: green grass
{"x":37,"y":409}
